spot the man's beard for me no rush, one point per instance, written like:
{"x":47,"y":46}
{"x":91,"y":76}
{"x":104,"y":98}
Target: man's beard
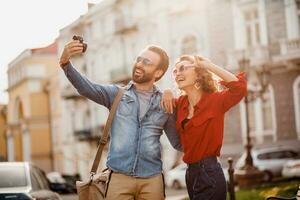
{"x":141,"y":78}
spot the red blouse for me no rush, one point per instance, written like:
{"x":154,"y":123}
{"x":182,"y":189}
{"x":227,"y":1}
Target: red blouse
{"x":202,"y":135}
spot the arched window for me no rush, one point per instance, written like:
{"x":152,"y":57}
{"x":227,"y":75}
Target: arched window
{"x":268,"y":113}
{"x":296,"y":91}
{"x":189,"y":45}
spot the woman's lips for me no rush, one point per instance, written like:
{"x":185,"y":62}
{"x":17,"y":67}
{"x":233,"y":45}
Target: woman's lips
{"x":180,"y":79}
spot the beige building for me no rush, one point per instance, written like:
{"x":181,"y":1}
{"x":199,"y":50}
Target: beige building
{"x":53,"y":90}
{"x":3,"y":141}
{"x":28,"y":118}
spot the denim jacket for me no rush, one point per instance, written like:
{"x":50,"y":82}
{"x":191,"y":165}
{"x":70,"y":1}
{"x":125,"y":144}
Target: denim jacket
{"x":135,"y":147}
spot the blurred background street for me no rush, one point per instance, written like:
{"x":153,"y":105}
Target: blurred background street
{"x":45,"y":122}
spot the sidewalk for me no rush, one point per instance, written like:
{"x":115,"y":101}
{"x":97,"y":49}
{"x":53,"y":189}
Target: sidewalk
{"x":177,"y":197}
{"x":173,"y":194}
{"x":75,"y":197}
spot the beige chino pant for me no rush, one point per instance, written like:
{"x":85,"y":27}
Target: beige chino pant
{"x":124,"y":187}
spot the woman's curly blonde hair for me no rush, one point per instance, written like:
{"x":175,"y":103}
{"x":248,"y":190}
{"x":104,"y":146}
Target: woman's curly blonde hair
{"x":204,"y":77}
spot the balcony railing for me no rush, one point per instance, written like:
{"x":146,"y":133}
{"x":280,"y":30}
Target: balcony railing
{"x":289,"y":50}
{"x":290,"y":46}
{"x":285,"y":50}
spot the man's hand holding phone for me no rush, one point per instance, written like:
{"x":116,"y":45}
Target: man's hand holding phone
{"x":75,"y":47}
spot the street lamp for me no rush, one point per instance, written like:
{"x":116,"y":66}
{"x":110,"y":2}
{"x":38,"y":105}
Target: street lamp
{"x":249,"y":174}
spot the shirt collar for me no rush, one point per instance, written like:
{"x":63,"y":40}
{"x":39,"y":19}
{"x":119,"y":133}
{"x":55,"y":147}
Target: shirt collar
{"x":131,"y":84}
{"x":200,"y":102}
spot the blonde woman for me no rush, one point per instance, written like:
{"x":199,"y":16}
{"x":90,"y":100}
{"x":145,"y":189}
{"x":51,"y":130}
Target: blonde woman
{"x":200,"y":121}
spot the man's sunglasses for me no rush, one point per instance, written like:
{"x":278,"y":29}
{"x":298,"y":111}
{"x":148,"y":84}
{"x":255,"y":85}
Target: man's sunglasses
{"x":145,"y":61}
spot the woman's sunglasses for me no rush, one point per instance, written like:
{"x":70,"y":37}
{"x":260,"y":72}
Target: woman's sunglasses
{"x":181,"y":69}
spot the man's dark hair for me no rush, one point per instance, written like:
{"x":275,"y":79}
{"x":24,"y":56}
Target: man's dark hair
{"x":164,"y":58}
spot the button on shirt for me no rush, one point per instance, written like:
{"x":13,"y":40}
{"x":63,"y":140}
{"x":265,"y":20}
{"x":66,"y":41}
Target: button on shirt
{"x":135,"y":147}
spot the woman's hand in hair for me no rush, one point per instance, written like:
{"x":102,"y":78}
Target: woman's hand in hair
{"x":201,"y":61}
{"x":219,"y":71}
{"x":168,"y":101}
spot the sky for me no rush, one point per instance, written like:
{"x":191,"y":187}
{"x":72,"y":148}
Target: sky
{"x":26,"y":24}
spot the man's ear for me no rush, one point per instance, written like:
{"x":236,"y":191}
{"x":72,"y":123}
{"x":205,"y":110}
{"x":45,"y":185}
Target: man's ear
{"x":158,"y":73}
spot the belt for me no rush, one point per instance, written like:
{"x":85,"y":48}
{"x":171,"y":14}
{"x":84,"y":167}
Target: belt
{"x":204,"y":162}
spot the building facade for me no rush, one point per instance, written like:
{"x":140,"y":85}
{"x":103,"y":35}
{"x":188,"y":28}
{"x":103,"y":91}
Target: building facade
{"x":28,"y":117}
{"x":3,"y":140}
{"x":265,"y":32}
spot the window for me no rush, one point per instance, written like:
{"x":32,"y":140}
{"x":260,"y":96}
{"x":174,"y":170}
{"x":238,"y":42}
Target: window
{"x":271,"y":155}
{"x":292,"y":18}
{"x":39,"y":179}
{"x":298,"y":12}
{"x":189,"y":45}
{"x":13,"y":176}
{"x":252,"y":27}
{"x":262,"y":116}
{"x":277,"y":155}
{"x":284,"y":154}
{"x":290,"y":154}
{"x":296,"y":91}
{"x":263,"y":156}
{"x":34,"y":182}
{"x":267,"y":111}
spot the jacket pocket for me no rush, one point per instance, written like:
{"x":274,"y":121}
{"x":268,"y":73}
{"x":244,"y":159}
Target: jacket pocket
{"x":126,"y":106}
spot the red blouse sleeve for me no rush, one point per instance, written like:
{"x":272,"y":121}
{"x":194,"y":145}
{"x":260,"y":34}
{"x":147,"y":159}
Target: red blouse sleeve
{"x":234,"y":92}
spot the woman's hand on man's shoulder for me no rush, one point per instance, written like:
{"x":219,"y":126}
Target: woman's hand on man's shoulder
{"x":168,"y":101}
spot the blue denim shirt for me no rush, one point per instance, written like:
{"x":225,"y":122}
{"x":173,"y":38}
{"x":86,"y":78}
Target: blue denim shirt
{"x":135,"y":147}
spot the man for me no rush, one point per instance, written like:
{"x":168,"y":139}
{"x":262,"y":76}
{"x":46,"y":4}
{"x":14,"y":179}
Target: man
{"x":135,"y":151}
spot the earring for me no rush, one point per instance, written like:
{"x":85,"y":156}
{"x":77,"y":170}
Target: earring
{"x":197,"y":86}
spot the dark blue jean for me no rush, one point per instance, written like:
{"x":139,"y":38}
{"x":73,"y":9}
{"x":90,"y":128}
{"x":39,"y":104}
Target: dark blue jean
{"x":205,"y":180}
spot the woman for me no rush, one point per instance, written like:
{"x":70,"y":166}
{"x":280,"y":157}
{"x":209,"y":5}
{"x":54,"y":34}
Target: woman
{"x":200,"y":121}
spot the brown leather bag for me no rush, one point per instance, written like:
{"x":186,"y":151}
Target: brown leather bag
{"x":96,"y":187}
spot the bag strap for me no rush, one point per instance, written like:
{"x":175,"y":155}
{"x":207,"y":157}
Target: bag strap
{"x":105,"y":134}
